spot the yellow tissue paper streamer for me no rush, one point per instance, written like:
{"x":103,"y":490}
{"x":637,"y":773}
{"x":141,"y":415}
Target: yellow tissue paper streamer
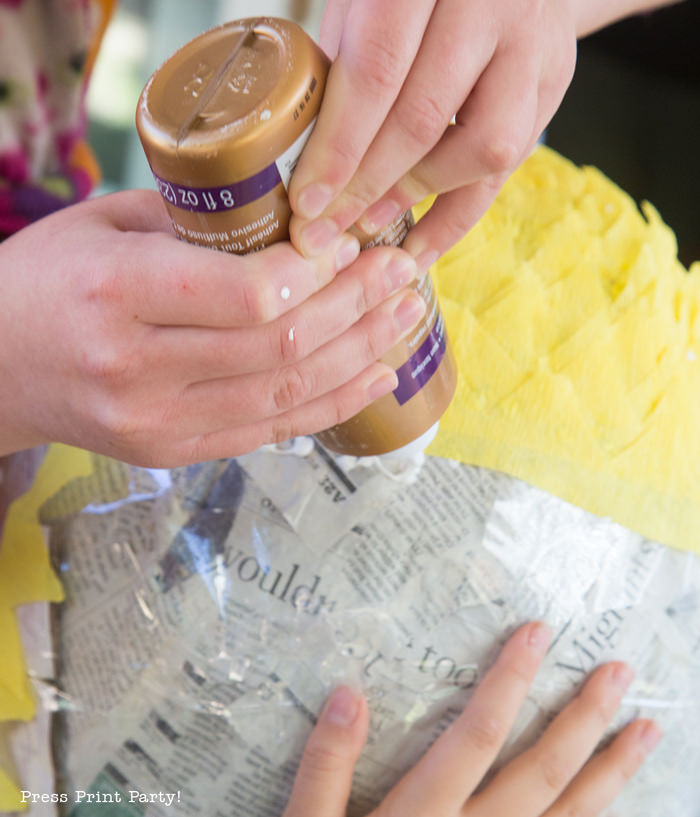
{"x":10,"y":797}
{"x":26,"y":576}
{"x":576,"y":334}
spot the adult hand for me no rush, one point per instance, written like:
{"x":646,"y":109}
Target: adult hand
{"x":117,"y":337}
{"x":551,"y":779}
{"x":383,"y":140}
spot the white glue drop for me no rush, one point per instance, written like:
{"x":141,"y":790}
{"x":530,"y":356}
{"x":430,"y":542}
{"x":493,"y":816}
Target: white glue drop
{"x":285,"y":293}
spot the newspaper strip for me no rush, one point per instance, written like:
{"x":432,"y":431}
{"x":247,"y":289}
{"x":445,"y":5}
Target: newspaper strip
{"x":211,"y":612}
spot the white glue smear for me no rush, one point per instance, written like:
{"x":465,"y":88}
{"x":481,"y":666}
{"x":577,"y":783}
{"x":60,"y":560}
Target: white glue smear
{"x":404,"y":468}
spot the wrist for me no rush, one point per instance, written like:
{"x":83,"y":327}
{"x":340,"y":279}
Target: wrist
{"x":14,"y":437}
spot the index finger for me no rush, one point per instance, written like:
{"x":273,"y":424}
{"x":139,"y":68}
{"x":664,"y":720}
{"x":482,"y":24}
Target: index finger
{"x":378,"y":45}
{"x":454,"y":766}
{"x":167,"y":282}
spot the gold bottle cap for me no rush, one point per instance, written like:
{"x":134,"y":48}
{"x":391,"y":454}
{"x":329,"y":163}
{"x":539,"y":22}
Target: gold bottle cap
{"x":231,"y":101}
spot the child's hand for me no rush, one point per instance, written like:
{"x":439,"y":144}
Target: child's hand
{"x":552,"y":779}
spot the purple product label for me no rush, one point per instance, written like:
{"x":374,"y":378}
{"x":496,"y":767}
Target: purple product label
{"x":227,"y":197}
{"x":422,"y":364}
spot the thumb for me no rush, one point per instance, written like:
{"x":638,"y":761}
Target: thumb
{"x":323,"y":781}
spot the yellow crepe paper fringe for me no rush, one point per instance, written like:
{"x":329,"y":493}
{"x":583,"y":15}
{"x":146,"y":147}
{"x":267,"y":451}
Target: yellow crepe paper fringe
{"x":576,"y":333}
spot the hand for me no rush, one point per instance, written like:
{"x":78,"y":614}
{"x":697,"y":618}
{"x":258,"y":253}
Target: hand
{"x":117,"y":337}
{"x":383,"y":141}
{"x":552,"y":779}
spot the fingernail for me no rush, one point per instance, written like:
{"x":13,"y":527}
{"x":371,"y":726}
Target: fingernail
{"x":400,"y":272}
{"x":539,"y":637}
{"x":425,"y":260}
{"x":409,"y":311}
{"x":317,"y":235}
{"x":347,"y":252}
{"x":622,"y":676}
{"x":382,"y":385}
{"x":379,"y":215}
{"x":650,"y":736}
{"x":342,"y":707}
{"x":313,"y":200}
